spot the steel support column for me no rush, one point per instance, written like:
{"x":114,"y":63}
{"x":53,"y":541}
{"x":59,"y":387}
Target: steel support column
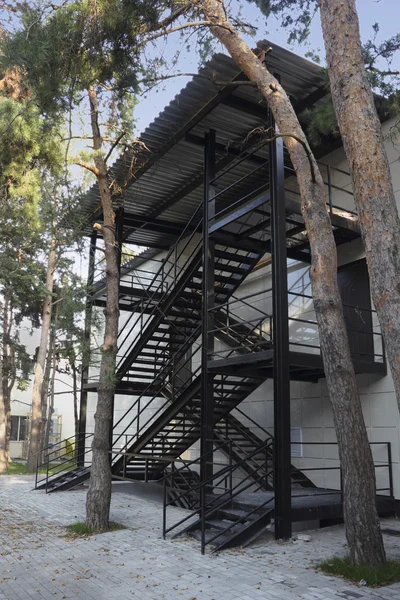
{"x":86,"y":351}
{"x":207,"y":379}
{"x":282,"y":455}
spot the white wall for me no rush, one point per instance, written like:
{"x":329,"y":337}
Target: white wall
{"x":310,"y":406}
{"x":21,"y":399}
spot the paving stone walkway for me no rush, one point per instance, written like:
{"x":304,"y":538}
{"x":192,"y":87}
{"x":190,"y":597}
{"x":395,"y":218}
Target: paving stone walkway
{"x":38,"y":561}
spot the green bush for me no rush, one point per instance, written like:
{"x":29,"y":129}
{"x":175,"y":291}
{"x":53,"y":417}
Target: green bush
{"x":69,"y":448}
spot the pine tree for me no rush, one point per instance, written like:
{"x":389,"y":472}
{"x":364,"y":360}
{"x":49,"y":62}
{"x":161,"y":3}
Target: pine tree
{"x":362,"y":523}
{"x":101,"y":46}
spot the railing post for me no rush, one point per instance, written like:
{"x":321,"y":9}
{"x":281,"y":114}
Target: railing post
{"x":175,"y":262}
{"x":203,"y":516}
{"x":230,"y":469}
{"x":47,"y":476}
{"x":389,"y":453}
{"x":37,"y":469}
{"x":165,"y":507}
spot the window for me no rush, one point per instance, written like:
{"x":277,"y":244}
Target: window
{"x":18,"y":429}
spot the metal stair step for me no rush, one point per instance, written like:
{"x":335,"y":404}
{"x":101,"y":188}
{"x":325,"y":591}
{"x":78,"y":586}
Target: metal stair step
{"x":245,"y":259}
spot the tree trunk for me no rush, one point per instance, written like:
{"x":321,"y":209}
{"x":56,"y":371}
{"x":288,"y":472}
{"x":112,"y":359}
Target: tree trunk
{"x":37,"y":416}
{"x":361,"y":133}
{"x":51,"y":406}
{"x":99,"y":493}
{"x":75,"y":396}
{"x":45,"y":389}
{"x":362,"y":523}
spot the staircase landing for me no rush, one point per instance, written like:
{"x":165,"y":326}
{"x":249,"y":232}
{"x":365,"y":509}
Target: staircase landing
{"x":310,"y":503}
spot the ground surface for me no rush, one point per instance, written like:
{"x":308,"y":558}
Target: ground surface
{"x":37,"y":561}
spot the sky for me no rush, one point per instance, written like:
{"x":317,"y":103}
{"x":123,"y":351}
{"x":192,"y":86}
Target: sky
{"x":385,"y":12}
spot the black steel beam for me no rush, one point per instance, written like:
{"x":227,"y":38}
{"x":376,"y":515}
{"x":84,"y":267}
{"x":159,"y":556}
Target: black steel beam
{"x":234,"y":241}
{"x":154,"y":225}
{"x":310,"y":100}
{"x":208,"y":293}
{"x":239,"y":209}
{"x":261,"y":226}
{"x":253,"y":359}
{"x":258,"y":110}
{"x":282,"y":453}
{"x":225,"y":149}
{"x":246,"y":106}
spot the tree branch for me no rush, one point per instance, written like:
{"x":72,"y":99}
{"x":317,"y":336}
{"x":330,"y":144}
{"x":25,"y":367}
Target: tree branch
{"x":114,"y":145}
{"x":179,"y":28}
{"x":88,"y":166}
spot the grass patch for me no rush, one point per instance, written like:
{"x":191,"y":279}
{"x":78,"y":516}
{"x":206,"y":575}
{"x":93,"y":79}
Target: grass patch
{"x":15,"y":468}
{"x":19,"y":468}
{"x":373,"y":576}
{"x":80,"y":529}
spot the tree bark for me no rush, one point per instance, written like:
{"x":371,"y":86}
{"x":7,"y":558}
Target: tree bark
{"x":362,"y":523}
{"x":75,"y":396}
{"x":45,"y":389}
{"x":99,"y":493}
{"x":51,"y":405}
{"x":37,"y":415}
{"x":362,"y":137}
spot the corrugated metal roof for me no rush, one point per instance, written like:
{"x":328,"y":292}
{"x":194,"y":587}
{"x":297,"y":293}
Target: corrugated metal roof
{"x":167,"y":177}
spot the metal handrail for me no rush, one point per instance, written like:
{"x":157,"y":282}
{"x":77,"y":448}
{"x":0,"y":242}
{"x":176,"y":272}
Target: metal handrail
{"x":206,"y":483}
{"x":269,"y":435}
{"x":71,"y":460}
{"x":161,"y":272}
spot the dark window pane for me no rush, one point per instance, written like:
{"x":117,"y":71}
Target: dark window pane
{"x":22,"y":429}
{"x":14,"y":429}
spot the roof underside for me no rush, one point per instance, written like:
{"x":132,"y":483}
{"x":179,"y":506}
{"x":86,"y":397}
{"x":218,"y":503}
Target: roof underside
{"x":166,"y":178}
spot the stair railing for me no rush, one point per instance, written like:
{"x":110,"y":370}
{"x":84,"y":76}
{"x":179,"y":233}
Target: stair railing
{"x":255,"y":463}
{"x":161,"y":278}
{"x":167,"y":364}
{"x":162,"y":375}
{"x":265,"y":431}
{"x":61,"y":460}
{"x":215,"y":503}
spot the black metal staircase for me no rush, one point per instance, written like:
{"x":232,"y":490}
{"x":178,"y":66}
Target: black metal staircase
{"x":171,"y":317}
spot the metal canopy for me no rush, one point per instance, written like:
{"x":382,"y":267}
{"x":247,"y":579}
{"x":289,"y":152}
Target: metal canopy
{"x":167,"y":178}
